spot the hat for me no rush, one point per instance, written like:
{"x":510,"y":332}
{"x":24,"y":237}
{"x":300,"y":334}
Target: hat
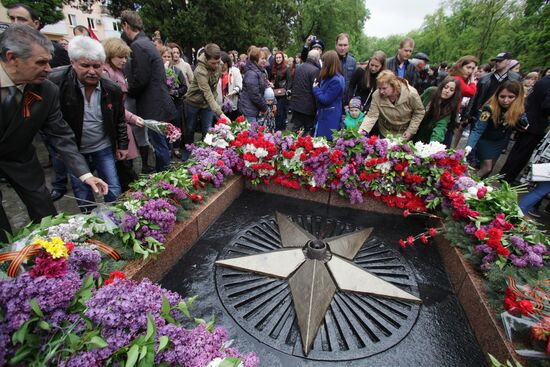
{"x":502,"y":56}
{"x":317,"y":43}
{"x":355,"y":102}
{"x":422,"y":56}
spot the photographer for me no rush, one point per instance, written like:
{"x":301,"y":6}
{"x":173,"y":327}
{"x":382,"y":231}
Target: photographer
{"x":312,"y":43}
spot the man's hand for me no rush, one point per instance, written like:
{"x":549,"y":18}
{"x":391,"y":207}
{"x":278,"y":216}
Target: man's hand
{"x":467,"y":150}
{"x":407,"y":135}
{"x":121,"y":154}
{"x":315,"y":83}
{"x":98,"y":185}
{"x":224,"y":117}
{"x":140,"y":122}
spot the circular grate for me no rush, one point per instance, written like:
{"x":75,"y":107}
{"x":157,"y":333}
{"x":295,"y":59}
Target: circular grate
{"x":355,"y":325}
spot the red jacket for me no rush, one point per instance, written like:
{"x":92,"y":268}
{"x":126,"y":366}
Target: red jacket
{"x":467,"y":90}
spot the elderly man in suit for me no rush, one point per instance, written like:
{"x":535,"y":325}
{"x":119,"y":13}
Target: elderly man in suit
{"x":29,"y":103}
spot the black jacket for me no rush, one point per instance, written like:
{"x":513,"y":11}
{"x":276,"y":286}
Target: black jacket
{"x":303,"y":100}
{"x":486,"y":87}
{"x":538,"y":106}
{"x":18,"y":159}
{"x":358,"y":88}
{"x":72,"y":106}
{"x":147,"y":81}
{"x":410,"y":71}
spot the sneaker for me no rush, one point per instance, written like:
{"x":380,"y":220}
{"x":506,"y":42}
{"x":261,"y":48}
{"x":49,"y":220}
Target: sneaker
{"x":534,"y":213}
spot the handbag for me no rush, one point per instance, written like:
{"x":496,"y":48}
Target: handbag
{"x":279,"y":92}
{"x":541,"y":172}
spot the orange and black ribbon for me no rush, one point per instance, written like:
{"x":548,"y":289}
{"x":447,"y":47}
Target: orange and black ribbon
{"x":28,"y":99}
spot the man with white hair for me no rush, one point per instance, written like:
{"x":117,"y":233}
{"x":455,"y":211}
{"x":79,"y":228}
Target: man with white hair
{"x":303,"y":104}
{"x":93,"y":107}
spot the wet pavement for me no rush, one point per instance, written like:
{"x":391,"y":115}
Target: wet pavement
{"x":439,"y":333}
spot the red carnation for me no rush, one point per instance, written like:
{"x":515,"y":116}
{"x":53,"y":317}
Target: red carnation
{"x":502,"y":251}
{"x":424,"y":239}
{"x":402,"y":243}
{"x":220,"y":163}
{"x":432,"y":232}
{"x":481,"y":192}
{"x":114,"y":275}
{"x":406,"y":213}
{"x":410,"y":240}
{"x":69,"y":246}
{"x":525,"y":307}
{"x":240,"y":119}
{"x":480,"y":234}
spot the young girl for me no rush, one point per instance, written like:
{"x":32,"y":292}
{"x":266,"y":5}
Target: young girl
{"x":441,"y":104}
{"x":502,"y":114}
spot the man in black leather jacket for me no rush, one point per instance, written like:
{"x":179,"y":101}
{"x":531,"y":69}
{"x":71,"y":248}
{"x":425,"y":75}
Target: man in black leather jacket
{"x":93,"y":107}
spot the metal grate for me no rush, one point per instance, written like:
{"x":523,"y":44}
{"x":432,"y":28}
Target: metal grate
{"x":355,"y":326}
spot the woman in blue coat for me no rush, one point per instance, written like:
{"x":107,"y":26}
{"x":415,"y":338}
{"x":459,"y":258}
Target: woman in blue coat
{"x":329,"y":95}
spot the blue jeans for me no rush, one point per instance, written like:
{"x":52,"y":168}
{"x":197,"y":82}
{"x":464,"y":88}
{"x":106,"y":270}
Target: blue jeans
{"x":251,"y":119}
{"x":531,"y":199}
{"x":104,"y":162}
{"x":192,"y":115}
{"x":162,"y":150}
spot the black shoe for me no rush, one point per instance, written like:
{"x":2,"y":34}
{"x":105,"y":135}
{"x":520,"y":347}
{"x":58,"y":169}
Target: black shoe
{"x":56,"y":195}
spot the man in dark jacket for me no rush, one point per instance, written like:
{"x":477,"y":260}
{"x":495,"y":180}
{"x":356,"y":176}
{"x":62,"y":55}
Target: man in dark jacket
{"x":347,"y":61}
{"x":93,"y":107}
{"x":31,"y":101}
{"x":488,"y":84}
{"x":538,"y":111}
{"x":302,"y":103}
{"x":400,"y":64}
{"x":147,"y":84}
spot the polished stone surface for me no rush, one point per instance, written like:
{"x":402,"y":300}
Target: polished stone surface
{"x":439,"y":334}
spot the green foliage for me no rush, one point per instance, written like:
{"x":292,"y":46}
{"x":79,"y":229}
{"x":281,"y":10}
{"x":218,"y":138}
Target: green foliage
{"x":237,"y":24}
{"x":495,"y":362}
{"x":48,"y":10}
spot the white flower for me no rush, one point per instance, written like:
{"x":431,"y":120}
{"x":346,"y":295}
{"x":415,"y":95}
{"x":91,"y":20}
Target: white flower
{"x":426,"y":150}
{"x":319,"y":142}
{"x":384,"y":167}
{"x":209,"y":139}
{"x":261,"y":152}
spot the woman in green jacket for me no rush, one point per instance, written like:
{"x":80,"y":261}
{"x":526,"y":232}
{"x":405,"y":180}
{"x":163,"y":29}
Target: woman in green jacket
{"x":441,"y":104}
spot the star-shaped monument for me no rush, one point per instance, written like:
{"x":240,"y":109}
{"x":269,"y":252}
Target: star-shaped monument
{"x":315,"y":269}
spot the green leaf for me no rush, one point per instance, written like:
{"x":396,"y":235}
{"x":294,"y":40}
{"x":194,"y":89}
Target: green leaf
{"x":151,"y":325}
{"x":98,"y":342}
{"x":163,"y":342}
{"x":20,"y":355}
{"x":182,"y":306}
{"x":21,"y":333}
{"x":133,"y":354}
{"x":44,"y":325}
{"x":36,"y":308}
{"x":74,"y":340}
{"x":143,"y":352}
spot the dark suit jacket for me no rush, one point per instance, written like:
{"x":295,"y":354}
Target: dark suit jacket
{"x":72,"y":106}
{"x":18,"y":157}
{"x":147,"y":81}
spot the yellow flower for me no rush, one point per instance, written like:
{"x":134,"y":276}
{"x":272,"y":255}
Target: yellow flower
{"x":56,"y":247}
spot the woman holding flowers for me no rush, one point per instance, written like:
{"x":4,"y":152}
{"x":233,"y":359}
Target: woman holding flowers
{"x":117,"y":52}
{"x":328,"y":94}
{"x":502,"y":114}
{"x":396,"y":108}
{"x":441,"y":105}
{"x":177,"y":89}
{"x":229,"y":87}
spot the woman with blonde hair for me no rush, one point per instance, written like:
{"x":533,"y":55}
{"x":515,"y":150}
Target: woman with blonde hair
{"x":396,"y":107}
{"x":117,"y":52}
{"x":328,"y":94}
{"x":363,"y":81}
{"x":502,"y":114}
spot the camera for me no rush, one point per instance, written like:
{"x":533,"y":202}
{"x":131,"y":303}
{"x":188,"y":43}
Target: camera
{"x":523,"y":122}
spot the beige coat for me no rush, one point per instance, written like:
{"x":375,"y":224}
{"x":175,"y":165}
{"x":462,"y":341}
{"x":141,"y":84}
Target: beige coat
{"x":395,"y":119}
{"x":202,"y":90}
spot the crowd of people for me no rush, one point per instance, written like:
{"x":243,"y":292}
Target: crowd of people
{"x":96,"y":99}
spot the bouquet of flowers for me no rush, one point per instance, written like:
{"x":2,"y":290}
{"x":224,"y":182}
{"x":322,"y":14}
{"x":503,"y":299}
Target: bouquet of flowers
{"x":165,"y":128}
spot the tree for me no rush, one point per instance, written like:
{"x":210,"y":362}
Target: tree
{"x":50,"y":11}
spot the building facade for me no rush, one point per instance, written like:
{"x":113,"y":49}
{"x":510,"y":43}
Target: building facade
{"x":99,"y":20}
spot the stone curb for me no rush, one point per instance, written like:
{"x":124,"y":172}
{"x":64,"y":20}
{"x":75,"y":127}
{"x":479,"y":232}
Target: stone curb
{"x":469,"y":289}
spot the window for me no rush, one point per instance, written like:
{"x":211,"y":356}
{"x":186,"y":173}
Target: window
{"x":117,"y":26}
{"x":72,"y":20}
{"x":91,"y":23}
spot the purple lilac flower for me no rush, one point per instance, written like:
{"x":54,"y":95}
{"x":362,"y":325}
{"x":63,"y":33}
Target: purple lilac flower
{"x":85,"y":259}
{"x":470,"y":228}
{"x":381,"y":146}
{"x":128,"y":223}
{"x":176,"y":191}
